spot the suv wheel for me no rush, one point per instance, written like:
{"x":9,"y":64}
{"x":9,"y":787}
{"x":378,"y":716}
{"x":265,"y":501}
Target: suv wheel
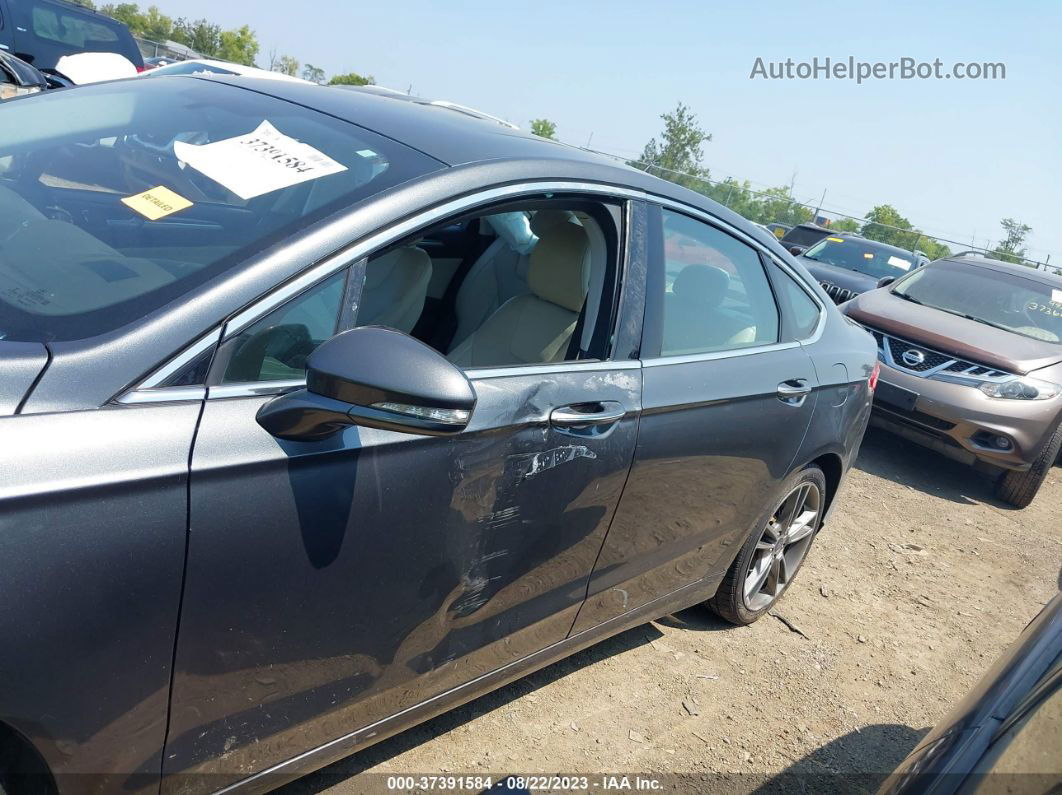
{"x":1019,"y":488}
{"x":773,"y":554}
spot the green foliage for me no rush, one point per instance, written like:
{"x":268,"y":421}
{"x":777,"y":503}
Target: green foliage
{"x":286,"y":65}
{"x":544,"y":128}
{"x":352,"y":79}
{"x":1012,"y":247}
{"x":238,"y":46}
{"x":885,"y":224}
{"x":206,"y":38}
{"x":845,"y":225}
{"x":200,"y":35}
{"x":85,"y":3}
{"x":313,"y":73}
{"x":677,"y":156}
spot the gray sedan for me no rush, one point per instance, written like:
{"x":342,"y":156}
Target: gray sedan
{"x":324,"y":411}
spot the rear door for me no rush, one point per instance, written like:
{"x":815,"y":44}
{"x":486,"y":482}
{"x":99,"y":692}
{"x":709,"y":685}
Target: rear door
{"x":726,"y":404}
{"x":333,"y":584}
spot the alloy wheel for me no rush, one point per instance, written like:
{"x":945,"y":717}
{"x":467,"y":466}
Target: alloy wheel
{"x":782,"y":546}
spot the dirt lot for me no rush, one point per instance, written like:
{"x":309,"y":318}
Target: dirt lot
{"x":918,"y":583}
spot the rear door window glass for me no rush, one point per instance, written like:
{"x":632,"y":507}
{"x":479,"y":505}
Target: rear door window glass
{"x":716,"y":294}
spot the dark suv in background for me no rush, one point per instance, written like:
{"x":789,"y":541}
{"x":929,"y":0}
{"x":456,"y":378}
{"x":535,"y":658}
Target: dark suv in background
{"x":847,"y":265}
{"x":41,"y":32}
{"x":803,"y":236}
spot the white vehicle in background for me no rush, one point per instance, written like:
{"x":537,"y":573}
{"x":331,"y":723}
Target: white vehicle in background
{"x":203,"y":66}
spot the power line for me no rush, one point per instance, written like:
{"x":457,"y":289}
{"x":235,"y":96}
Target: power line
{"x":862,"y":219}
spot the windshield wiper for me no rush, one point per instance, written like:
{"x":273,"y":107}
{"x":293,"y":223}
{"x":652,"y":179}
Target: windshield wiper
{"x":906,"y":297}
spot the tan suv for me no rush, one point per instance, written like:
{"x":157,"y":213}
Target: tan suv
{"x":971,"y":352}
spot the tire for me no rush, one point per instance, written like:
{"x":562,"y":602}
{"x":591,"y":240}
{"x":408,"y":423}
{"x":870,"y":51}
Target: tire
{"x":776,"y":559}
{"x":1019,"y":488}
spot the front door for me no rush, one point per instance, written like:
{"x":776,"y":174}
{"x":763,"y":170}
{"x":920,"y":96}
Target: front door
{"x":332,"y":584}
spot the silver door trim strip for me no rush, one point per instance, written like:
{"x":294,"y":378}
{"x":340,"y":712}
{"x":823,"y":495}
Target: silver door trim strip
{"x":254,"y":388}
{"x":162,"y":395}
{"x":663,"y":361}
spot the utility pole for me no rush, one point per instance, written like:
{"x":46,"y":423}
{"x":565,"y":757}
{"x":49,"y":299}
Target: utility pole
{"x":817,"y":209}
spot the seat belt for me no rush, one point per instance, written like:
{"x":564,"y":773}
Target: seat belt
{"x":575,"y":351}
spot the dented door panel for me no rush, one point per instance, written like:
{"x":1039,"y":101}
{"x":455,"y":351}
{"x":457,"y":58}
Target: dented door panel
{"x":332,"y":584}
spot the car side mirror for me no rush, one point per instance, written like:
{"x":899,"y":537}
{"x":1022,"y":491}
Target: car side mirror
{"x":885,"y":281}
{"x":377,"y":378}
{"x":796,"y":250}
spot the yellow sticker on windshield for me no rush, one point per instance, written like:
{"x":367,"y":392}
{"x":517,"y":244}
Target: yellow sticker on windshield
{"x":157,"y":203}
{"x":835,"y":239}
{"x":867,"y":255}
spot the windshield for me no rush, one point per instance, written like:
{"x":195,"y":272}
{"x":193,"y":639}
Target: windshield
{"x":862,"y":256}
{"x":1008,"y":301}
{"x":118,"y":198}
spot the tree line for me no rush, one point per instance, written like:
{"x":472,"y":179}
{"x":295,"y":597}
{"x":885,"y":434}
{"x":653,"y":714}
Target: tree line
{"x":677,"y":156}
{"x":238,"y":45}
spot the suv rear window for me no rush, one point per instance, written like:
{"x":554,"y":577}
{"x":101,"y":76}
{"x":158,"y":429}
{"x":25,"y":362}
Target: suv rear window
{"x":46,"y":31}
{"x":803,"y":236}
{"x":118,"y":198}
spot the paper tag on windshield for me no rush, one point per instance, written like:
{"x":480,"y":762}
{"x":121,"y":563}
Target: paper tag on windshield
{"x":1056,"y":296}
{"x":259,"y":162}
{"x":900,"y":263}
{"x":157,"y":203}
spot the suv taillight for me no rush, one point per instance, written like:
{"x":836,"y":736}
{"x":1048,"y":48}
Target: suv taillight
{"x":872,"y":382}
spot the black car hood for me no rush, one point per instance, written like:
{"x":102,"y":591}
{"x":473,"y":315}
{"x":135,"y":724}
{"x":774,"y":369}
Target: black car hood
{"x":21,"y":363}
{"x":842,"y":277}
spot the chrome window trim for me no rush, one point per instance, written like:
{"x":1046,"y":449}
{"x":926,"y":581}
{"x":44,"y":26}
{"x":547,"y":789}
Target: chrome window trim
{"x":254,"y":388}
{"x":263,"y":388}
{"x":147,"y":391}
{"x":686,"y":358}
{"x":162,"y":395}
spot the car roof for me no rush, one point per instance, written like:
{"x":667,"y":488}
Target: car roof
{"x":456,"y":137}
{"x":988,"y":263}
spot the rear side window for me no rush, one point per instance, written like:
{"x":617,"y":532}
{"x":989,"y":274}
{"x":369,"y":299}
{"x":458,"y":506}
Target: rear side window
{"x":716,"y":293}
{"x":74,"y":30}
{"x":802,"y":311}
{"x":118,"y":198}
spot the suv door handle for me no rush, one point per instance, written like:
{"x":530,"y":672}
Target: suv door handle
{"x":580,"y":415}
{"x":794,"y":391}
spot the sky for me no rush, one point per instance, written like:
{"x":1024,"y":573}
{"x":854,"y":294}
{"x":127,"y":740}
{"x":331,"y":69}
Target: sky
{"x":953,"y":156}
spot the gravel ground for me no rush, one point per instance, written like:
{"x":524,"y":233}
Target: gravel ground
{"x":918,"y":583}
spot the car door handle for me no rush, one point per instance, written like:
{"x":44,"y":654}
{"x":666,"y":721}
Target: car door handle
{"x":794,"y":391}
{"x":580,"y":415}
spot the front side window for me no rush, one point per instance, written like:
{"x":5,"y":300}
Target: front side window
{"x":119,"y":198}
{"x":716,"y":293}
{"x":275,"y":348}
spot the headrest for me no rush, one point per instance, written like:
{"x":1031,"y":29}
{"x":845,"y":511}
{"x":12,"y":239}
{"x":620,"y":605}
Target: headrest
{"x":515,"y":229}
{"x":544,"y":219}
{"x":706,"y":285}
{"x":557,"y":271}
{"x":407,"y":258}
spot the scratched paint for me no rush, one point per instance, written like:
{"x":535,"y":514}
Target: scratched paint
{"x":550,"y":459}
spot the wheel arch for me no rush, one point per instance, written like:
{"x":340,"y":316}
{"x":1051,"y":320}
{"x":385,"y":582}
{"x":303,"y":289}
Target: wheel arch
{"x":833,"y":469}
{"x":23,"y":769}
